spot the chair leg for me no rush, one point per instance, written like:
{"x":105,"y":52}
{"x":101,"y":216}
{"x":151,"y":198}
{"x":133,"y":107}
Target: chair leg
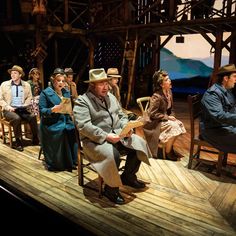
{"x":219,"y":163}
{"x":10,"y":136}
{"x":100,"y":184}
{"x":40,"y":152}
{"x":190,"y":160}
{"x":80,"y":170}
{"x":225,"y":157}
{"x":164,"y":151}
{"x":3,"y":134}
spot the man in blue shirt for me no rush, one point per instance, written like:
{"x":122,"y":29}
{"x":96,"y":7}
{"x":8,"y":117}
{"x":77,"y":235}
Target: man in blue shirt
{"x":218,"y":123}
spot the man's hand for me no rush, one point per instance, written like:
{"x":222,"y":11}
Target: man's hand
{"x":113,"y":138}
{"x":12,"y":109}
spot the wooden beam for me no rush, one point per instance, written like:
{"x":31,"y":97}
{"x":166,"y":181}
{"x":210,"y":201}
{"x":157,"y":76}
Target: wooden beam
{"x":208,"y":39}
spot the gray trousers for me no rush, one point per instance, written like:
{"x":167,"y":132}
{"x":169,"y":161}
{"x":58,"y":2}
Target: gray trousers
{"x":15,"y":120}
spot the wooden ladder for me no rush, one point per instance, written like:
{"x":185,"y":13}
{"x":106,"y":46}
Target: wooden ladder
{"x":130,"y":51}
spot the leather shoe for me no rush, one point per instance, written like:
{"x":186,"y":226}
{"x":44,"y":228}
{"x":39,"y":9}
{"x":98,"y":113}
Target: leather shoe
{"x":134,"y":183}
{"x":18,"y":146}
{"x":171,"y":156}
{"x":113,"y":195}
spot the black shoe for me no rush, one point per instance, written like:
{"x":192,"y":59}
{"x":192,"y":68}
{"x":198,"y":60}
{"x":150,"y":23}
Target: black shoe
{"x":74,"y":167}
{"x":113,"y":195}
{"x":18,"y":146}
{"x":134,"y":183}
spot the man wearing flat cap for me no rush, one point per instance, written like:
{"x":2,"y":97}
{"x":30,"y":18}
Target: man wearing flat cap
{"x":218,"y":123}
{"x":70,"y":84}
{"x":15,"y":98}
{"x":99,"y":119}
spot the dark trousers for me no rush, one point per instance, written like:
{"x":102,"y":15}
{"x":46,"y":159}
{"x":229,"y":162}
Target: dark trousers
{"x":132,"y":163}
{"x":15,"y":120}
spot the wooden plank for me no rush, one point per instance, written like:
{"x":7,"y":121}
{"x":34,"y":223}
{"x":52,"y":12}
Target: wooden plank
{"x":176,"y":200}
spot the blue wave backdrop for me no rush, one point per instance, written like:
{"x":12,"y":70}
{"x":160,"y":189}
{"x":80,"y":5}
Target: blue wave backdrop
{"x":187,"y":75}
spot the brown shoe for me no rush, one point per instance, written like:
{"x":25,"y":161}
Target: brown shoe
{"x":171,"y":156}
{"x":177,"y":154}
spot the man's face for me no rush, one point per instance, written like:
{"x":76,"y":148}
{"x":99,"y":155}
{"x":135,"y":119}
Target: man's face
{"x":230,"y":81}
{"x":101,"y":88}
{"x":15,"y":76}
{"x":69,"y":78}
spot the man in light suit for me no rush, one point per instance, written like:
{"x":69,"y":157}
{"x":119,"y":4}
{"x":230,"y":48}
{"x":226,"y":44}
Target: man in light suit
{"x":15,"y":99}
{"x":99,"y":119}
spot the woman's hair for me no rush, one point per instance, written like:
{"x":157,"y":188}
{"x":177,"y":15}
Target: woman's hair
{"x":32,"y":71}
{"x":157,"y":79}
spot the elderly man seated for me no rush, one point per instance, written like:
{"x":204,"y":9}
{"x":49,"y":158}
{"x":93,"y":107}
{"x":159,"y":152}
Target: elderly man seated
{"x":100,"y":119}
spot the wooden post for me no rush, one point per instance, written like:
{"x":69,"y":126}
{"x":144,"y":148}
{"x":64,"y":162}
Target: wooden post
{"x":217,"y":57}
{"x":232,"y":55}
{"x":38,"y":40}
{"x":55,"y":53}
{"x":156,"y":53}
{"x":124,"y":58}
{"x":132,"y":65}
{"x":66,"y":3}
{"x":91,"y":54}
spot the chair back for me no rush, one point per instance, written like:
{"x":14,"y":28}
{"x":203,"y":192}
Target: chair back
{"x":143,"y":103}
{"x":194,"y":105}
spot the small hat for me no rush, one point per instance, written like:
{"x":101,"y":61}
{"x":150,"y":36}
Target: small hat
{"x":113,"y":72}
{"x":227,"y":69}
{"x":16,"y":68}
{"x":97,"y":75}
{"x":33,"y":70}
{"x":58,"y":71}
{"x":69,"y":71}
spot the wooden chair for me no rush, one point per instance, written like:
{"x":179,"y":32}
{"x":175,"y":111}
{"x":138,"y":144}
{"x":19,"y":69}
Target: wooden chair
{"x":143,"y":103}
{"x":196,"y":141}
{"x":7,"y":129}
{"x":82,"y":166}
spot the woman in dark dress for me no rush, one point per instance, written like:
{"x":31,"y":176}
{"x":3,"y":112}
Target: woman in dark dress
{"x":57,"y":128}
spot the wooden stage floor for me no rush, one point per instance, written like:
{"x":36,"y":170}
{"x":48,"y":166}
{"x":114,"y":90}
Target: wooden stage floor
{"x":176,"y":201}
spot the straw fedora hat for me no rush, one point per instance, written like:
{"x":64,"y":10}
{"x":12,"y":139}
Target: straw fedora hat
{"x":69,"y":71}
{"x":113,"y":72}
{"x":17,"y":68}
{"x":227,"y":69}
{"x":97,"y":75}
